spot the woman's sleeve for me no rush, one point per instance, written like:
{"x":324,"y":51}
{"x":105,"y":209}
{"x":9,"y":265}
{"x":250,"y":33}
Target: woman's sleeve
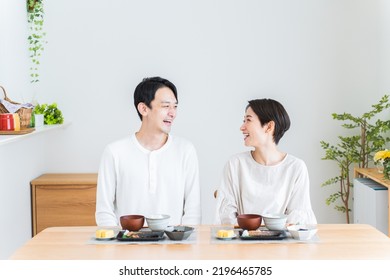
{"x":299,"y":208}
{"x":226,"y":208}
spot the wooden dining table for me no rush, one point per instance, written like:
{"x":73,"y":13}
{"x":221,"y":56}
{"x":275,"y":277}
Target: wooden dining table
{"x":334,"y":241}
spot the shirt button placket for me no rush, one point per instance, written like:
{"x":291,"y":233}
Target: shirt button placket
{"x":152,"y":173}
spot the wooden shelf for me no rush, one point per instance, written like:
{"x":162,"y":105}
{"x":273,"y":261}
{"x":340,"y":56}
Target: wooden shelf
{"x":373,"y":174}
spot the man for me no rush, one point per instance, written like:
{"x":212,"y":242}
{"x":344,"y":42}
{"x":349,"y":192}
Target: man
{"x":151,"y":171}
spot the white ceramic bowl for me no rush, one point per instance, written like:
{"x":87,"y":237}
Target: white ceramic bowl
{"x":302,"y":232}
{"x":275,"y":221}
{"x":158,"y":222}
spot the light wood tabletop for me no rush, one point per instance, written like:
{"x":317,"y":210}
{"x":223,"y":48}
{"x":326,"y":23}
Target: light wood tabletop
{"x":335,"y":241}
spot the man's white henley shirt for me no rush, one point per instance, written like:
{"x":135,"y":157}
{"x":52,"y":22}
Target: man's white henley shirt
{"x":134,"y":180}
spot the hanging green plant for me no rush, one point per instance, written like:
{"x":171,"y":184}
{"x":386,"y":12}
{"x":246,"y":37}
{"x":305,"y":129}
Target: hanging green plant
{"x":36,"y":37}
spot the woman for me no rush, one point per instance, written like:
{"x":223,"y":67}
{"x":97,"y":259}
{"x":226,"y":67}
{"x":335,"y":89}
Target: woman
{"x":265,"y":180}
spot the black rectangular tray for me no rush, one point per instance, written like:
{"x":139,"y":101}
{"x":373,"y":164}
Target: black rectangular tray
{"x":143,"y":236}
{"x":268,"y":235}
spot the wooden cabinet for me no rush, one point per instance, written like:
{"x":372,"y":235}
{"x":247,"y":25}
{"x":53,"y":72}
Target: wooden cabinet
{"x":373,"y":174}
{"x":66,"y":199}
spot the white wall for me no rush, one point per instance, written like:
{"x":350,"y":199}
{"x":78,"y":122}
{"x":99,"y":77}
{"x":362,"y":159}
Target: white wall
{"x":316,"y":57}
{"x":13,"y":50}
{"x":19,"y":161}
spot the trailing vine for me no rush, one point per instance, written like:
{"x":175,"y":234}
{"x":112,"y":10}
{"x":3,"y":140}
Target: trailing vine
{"x":36,"y":37}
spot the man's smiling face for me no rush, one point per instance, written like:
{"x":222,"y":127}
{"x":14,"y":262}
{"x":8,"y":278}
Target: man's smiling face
{"x":163,"y":110}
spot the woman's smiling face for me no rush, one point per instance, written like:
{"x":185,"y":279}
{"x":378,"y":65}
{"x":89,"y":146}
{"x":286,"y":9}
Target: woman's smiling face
{"x":255,"y":134}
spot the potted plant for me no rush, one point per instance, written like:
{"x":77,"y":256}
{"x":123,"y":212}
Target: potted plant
{"x":39,"y":114}
{"x":355,"y":150}
{"x":382,"y":160}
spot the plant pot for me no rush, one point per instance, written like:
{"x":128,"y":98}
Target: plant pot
{"x":39,"y":120}
{"x":379,"y":167}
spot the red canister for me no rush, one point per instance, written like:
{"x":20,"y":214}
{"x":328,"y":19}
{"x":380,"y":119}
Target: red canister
{"x":7,"y":122}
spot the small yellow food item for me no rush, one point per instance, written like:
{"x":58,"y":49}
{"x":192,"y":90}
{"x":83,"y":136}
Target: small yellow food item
{"x":104,"y":233}
{"x":225,"y":233}
{"x":16,"y":122}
